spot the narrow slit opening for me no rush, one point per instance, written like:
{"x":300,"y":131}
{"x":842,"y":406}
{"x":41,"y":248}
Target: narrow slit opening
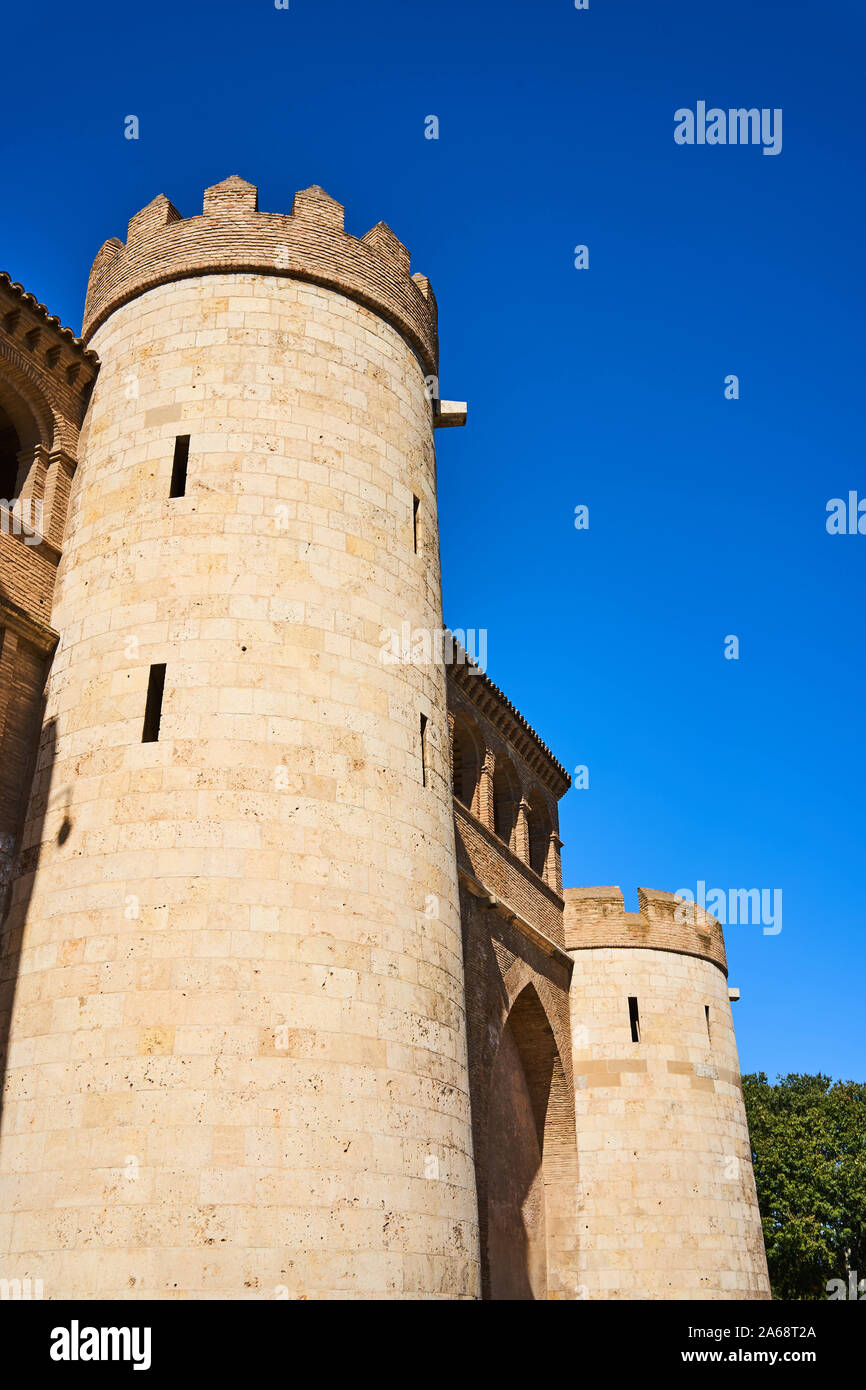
{"x":153,"y":704}
{"x":179,"y":466}
{"x":423,"y":750}
{"x":634,"y":1018}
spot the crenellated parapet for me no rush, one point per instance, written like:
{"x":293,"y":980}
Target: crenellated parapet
{"x":310,"y":243}
{"x":596,"y":917}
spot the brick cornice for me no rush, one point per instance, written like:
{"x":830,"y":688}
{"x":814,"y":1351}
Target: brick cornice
{"x":490,"y":701}
{"x":14,"y":296}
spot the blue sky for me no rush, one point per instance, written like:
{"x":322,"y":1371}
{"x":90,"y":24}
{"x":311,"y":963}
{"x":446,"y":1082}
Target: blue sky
{"x":602,"y":387}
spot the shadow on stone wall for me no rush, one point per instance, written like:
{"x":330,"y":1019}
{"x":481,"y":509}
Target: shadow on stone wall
{"x":13,"y":913}
{"x":523,"y":1126}
{"x":516,"y":1255}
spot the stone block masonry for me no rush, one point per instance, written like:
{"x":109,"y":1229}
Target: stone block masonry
{"x":237,"y":1041}
{"x":292,"y":1003}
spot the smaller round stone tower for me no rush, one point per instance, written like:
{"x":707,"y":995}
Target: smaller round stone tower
{"x":668,"y":1207}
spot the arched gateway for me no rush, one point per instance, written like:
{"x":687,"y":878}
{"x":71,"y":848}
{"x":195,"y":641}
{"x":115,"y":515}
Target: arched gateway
{"x":532,"y":1154}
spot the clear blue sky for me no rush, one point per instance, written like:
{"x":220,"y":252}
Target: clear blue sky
{"x":603,"y":387}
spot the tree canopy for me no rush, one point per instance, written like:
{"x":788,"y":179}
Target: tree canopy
{"x":808,"y":1136}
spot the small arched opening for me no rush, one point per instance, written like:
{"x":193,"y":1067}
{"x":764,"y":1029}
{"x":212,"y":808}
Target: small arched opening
{"x":539,"y":827}
{"x":466,"y":756}
{"x":10,"y":448}
{"x":26,"y":423}
{"x":506,"y":799}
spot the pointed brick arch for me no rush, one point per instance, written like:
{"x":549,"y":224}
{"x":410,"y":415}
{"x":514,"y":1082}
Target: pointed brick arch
{"x":532,"y":1161}
{"x":22,"y":400}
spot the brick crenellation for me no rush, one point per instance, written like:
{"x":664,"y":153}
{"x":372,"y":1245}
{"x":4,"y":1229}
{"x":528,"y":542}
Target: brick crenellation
{"x":309,"y":244}
{"x":597,"y":917}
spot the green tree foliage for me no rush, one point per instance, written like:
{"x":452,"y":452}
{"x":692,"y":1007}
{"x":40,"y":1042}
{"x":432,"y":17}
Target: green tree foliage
{"x":808,"y":1137}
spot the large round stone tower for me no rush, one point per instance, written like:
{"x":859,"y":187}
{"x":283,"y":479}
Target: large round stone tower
{"x":668,"y":1207}
{"x":238,"y":1058}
